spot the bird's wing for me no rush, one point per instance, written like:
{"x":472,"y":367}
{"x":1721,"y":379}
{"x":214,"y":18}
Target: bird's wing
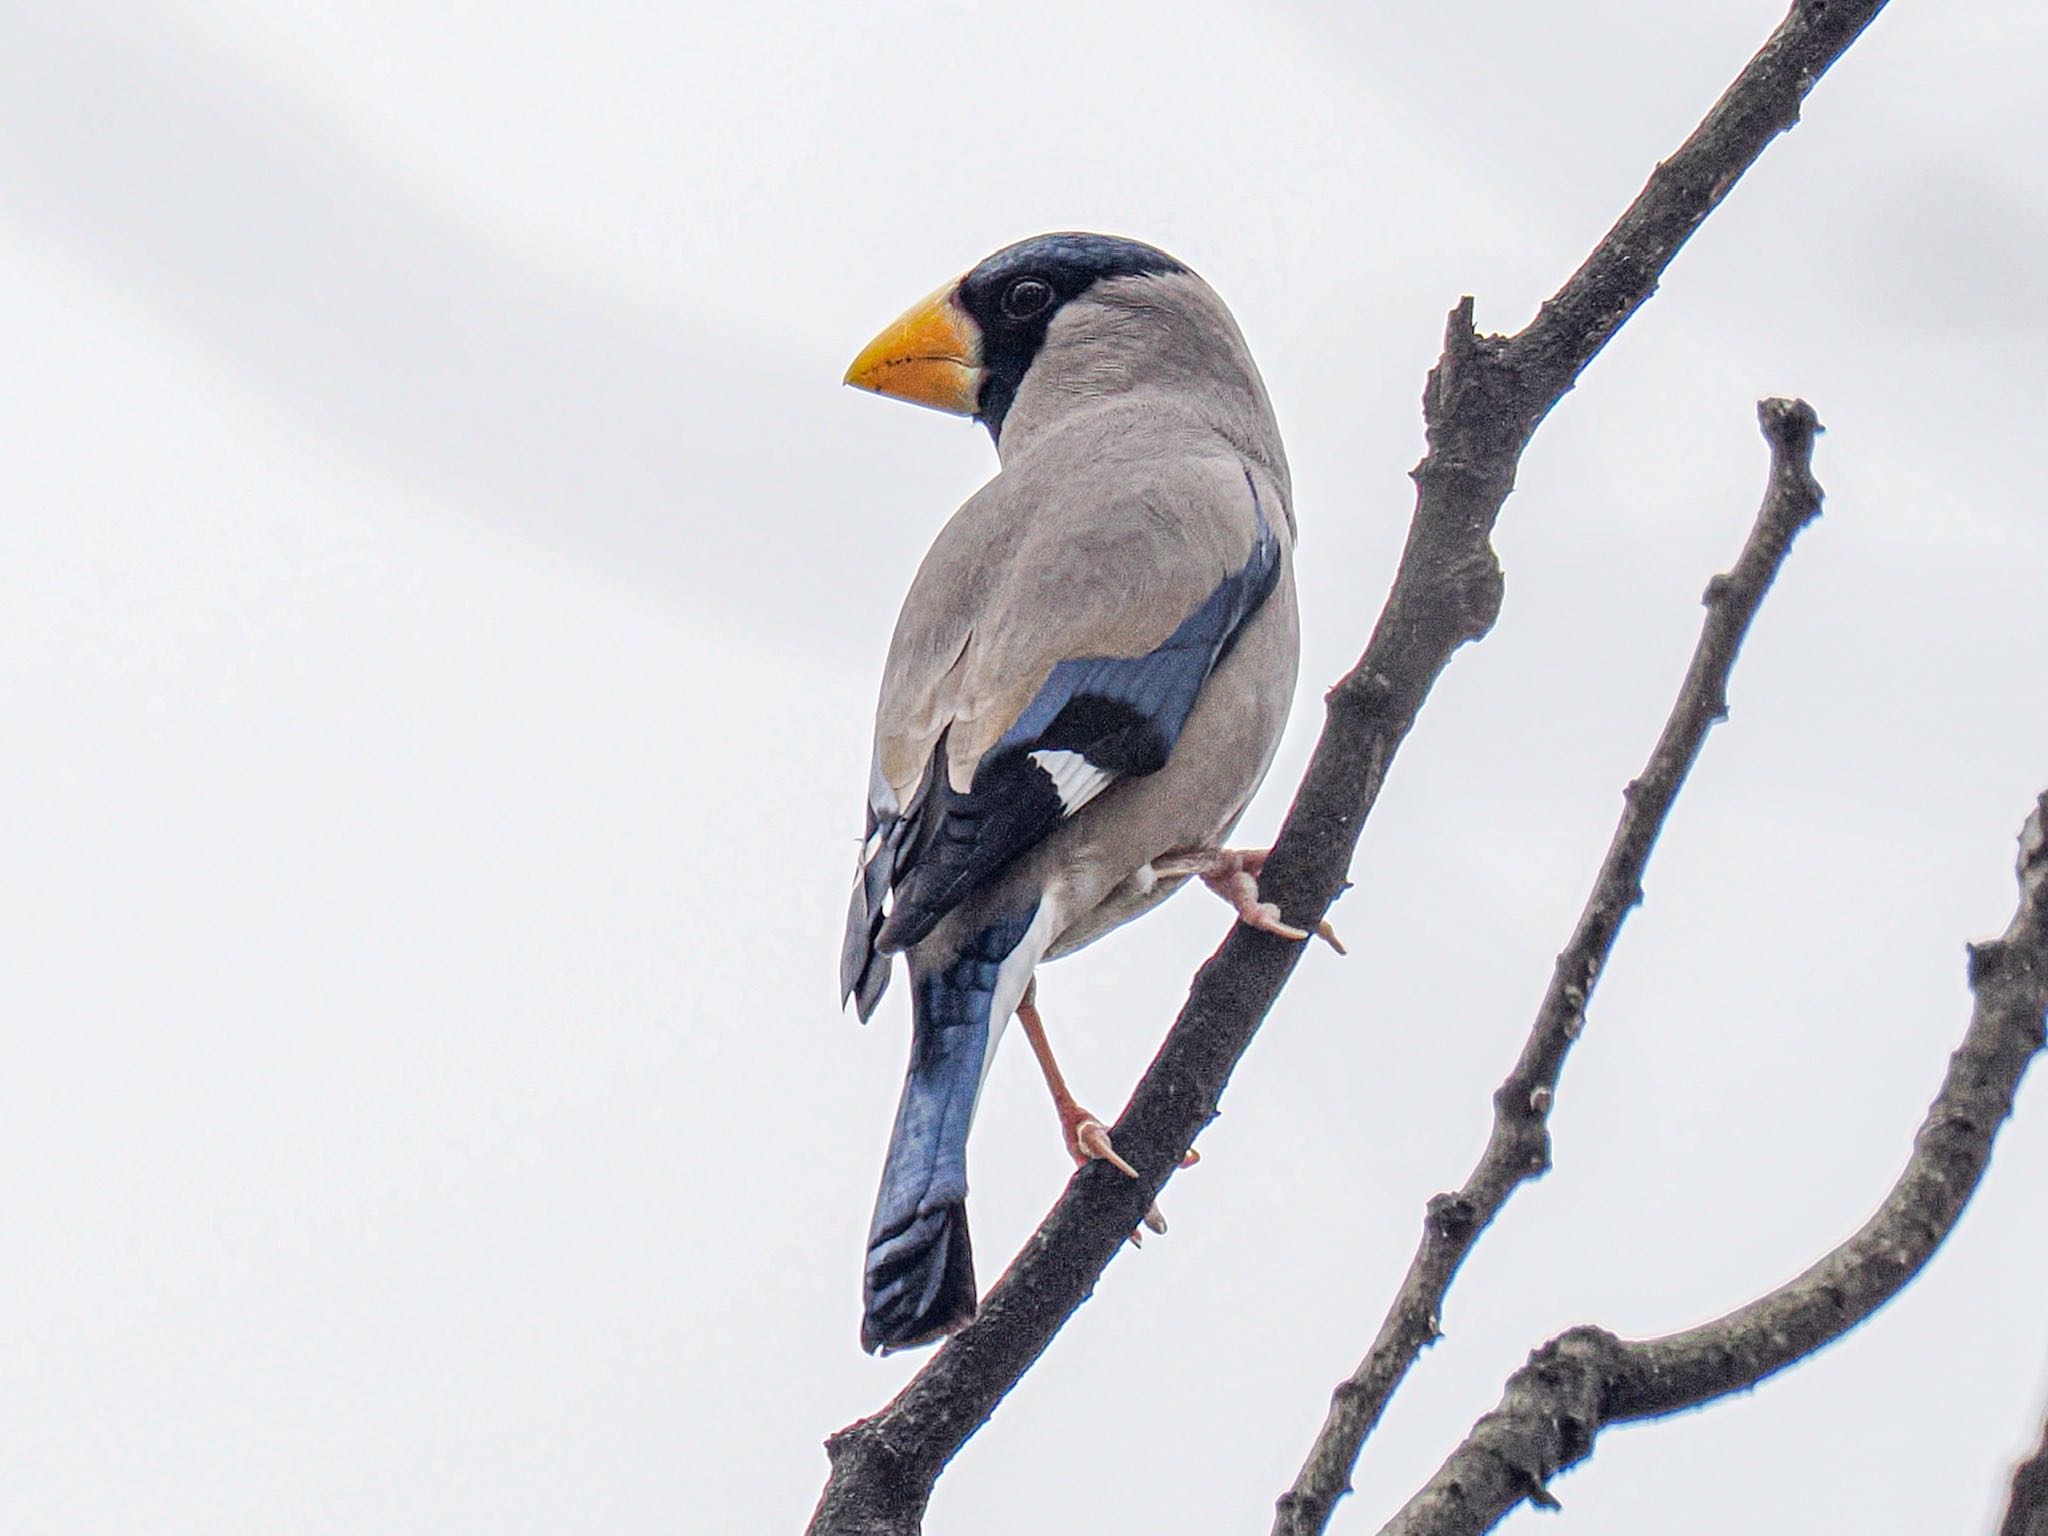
{"x":1052,"y":644}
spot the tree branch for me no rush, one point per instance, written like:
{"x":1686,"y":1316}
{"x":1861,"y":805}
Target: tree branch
{"x":1587,"y":1379}
{"x":2026,"y":1512}
{"x":1484,"y":398}
{"x":1519,"y":1147}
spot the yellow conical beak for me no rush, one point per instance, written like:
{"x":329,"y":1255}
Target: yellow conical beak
{"x":931,"y":356}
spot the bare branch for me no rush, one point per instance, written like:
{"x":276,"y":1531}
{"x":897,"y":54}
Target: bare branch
{"x":1519,"y":1147}
{"x":1485,"y":397}
{"x":2026,"y":1512}
{"x":1587,"y":1379}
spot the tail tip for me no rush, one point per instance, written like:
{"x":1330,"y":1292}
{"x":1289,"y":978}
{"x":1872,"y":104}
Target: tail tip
{"x":920,"y":1282}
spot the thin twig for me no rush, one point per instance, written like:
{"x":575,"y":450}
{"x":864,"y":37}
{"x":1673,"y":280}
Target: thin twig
{"x":1484,"y":398}
{"x":1519,"y":1147}
{"x":1587,"y":1379}
{"x":2026,"y":1511}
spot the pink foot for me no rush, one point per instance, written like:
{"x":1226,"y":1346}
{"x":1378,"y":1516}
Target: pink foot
{"x":1088,"y":1139}
{"x":1233,"y":874}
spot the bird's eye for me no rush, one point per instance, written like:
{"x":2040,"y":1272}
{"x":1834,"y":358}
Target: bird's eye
{"x":1026,"y":297}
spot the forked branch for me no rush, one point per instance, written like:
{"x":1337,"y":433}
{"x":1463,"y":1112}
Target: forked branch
{"x":1519,"y":1147}
{"x":1585,"y":1380}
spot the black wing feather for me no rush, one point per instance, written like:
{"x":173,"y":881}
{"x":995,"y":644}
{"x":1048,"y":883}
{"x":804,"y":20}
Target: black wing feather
{"x":1122,"y":714}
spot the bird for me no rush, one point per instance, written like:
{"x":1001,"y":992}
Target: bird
{"x":1087,"y":682}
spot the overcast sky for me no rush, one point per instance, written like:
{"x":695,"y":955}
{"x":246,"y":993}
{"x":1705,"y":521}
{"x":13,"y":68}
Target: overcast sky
{"x":442,"y":589}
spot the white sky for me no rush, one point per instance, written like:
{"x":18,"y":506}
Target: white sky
{"x":441,"y":591}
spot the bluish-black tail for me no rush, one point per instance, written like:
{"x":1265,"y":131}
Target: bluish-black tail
{"x":920,"y":1265}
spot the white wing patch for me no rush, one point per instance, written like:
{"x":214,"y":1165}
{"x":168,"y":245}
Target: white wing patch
{"x":1074,"y":779}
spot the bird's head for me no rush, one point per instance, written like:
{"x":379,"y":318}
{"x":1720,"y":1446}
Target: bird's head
{"x":967,"y":348}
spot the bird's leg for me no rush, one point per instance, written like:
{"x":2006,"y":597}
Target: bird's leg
{"x":1087,"y":1138}
{"x":1233,"y":874}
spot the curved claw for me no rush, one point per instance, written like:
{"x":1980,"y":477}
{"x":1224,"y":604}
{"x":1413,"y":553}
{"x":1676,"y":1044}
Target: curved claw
{"x":1233,"y":874}
{"x":1089,"y":1139}
{"x":1265,"y":916}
